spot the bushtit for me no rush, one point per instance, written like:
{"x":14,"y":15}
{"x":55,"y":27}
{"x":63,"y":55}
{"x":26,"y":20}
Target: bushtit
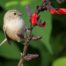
{"x":14,"y":25}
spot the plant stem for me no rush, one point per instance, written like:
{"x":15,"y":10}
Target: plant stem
{"x":26,"y":44}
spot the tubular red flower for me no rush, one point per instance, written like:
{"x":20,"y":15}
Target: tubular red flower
{"x":58,"y":11}
{"x":34,"y":18}
{"x":61,"y":10}
{"x":52,"y":11}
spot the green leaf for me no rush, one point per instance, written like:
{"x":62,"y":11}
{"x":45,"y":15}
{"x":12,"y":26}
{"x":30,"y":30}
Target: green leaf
{"x":45,"y":32}
{"x":8,"y":51}
{"x":60,"y":62}
{"x":10,"y":62}
{"x":12,"y":3}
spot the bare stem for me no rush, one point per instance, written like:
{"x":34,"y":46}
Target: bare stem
{"x":26,"y":44}
{"x":24,"y":53}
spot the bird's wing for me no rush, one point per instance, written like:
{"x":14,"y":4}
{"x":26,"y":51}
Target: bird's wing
{"x":6,"y":36}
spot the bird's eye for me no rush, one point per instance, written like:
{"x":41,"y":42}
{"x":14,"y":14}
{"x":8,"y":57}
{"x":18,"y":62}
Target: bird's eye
{"x":14,"y":13}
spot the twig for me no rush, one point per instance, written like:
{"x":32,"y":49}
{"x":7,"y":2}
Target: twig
{"x":3,"y":42}
{"x":24,"y":53}
{"x":26,"y":44}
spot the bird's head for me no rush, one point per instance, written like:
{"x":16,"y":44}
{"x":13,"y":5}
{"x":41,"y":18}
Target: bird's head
{"x":12,"y":14}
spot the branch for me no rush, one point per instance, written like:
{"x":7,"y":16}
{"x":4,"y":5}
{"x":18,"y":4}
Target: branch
{"x":26,"y":44}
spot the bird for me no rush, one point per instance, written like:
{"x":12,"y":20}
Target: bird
{"x":14,"y":26}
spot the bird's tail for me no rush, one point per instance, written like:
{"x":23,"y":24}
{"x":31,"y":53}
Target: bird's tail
{"x":3,"y":42}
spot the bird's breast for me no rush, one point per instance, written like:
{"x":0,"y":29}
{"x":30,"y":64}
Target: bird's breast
{"x":15,"y":27}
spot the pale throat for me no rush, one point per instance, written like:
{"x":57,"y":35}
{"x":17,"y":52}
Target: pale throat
{"x":15,"y":23}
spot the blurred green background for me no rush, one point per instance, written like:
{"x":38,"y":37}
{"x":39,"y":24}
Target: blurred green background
{"x":51,"y":48}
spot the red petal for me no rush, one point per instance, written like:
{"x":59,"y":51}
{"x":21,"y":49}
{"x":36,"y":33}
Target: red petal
{"x":61,"y":10}
{"x":52,"y":11}
{"x":34,"y":22}
{"x":34,"y":19}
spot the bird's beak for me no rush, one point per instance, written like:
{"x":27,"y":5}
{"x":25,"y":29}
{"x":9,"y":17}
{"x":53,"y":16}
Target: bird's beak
{"x":20,"y":14}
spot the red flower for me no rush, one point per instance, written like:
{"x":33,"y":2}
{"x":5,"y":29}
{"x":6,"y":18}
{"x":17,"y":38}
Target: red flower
{"x":52,"y":11}
{"x":61,"y":10}
{"x":34,"y":18}
{"x":58,"y":11}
